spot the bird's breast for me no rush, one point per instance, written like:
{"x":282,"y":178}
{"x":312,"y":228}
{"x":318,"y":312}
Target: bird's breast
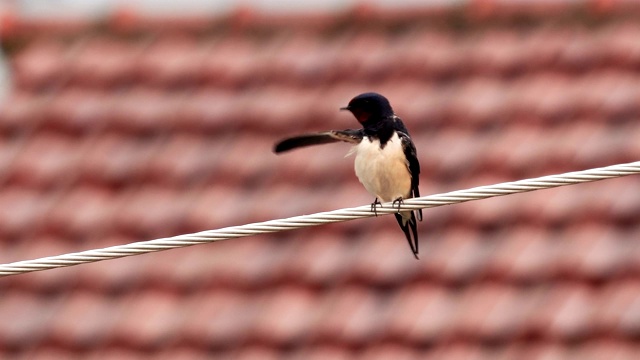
{"x":384,"y":172}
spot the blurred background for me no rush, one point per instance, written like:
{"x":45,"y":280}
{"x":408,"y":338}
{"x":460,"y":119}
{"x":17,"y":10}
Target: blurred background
{"x":124,"y":121}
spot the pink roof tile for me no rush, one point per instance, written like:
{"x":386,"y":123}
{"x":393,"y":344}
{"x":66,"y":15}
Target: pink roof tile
{"x":423,"y":314}
{"x":200,"y":214}
{"x":459,"y":256}
{"x":81,"y":211}
{"x":459,"y":351}
{"x":22,"y":110}
{"x":620,"y":45}
{"x":23,"y":211}
{"x":104,"y":62}
{"x":25,"y":315}
{"x":41,"y":64}
{"x":322,"y":351}
{"x":113,"y":159}
{"x":141,"y":211}
{"x":220,"y":318}
{"x":149,"y":127}
{"x":524,"y":254}
{"x":256,"y":351}
{"x":567,"y":312}
{"x":50,"y":352}
{"x":142,"y":109}
{"x":161,"y":310}
{"x":198,"y":115}
{"x":619,"y":307}
{"x":347,"y":316}
{"x":97,"y":324}
{"x":320,"y":258}
{"x":179,"y":160}
{"x":286,"y":315}
{"x":386,"y":351}
{"x":171,"y":61}
{"x":440,"y":59}
{"x":230,"y":61}
{"x":382,"y":257}
{"x":44,"y":158}
{"x":78,"y":110}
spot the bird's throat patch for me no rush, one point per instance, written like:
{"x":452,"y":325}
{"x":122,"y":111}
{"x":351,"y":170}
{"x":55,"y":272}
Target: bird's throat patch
{"x":361,"y":116}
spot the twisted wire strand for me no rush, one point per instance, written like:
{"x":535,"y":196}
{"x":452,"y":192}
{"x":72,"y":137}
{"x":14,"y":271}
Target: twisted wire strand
{"x":296,"y":222}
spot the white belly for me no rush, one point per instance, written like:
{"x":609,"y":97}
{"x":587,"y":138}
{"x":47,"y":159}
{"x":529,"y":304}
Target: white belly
{"x":383,"y":172}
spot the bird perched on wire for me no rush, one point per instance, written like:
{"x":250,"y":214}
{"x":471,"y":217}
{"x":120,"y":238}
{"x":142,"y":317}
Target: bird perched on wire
{"x":386,"y":162}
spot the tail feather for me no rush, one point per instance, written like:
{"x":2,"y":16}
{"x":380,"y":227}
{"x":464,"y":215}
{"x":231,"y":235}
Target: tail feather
{"x":416,"y":194}
{"x":410,"y":229}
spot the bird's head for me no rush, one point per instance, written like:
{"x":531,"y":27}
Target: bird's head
{"x":369,"y":107}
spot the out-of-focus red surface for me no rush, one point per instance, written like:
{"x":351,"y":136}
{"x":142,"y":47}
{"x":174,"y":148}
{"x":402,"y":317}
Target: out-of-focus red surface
{"x":118,"y":134}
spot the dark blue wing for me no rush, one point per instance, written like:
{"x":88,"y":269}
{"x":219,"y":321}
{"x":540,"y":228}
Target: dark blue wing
{"x":326,"y":137}
{"x":412,"y":159}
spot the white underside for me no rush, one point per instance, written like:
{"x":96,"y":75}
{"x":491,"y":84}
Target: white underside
{"x":383,"y":172}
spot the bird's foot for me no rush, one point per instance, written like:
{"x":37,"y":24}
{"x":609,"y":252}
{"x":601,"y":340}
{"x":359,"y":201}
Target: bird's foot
{"x":400,"y":201}
{"x":374,"y":206}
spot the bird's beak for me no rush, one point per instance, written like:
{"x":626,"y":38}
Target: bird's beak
{"x":345,"y":108}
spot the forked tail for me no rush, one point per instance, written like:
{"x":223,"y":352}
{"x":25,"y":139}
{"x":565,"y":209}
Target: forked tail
{"x":410,"y":229}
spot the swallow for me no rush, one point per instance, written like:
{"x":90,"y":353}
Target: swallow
{"x":386,"y":161}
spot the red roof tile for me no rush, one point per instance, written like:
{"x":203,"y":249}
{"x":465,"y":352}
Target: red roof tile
{"x":78,"y":110}
{"x":142,"y":110}
{"x":171,"y":61}
{"x":351,"y":315}
{"x":22,"y":211}
{"x":567,"y":312}
{"x":81,"y":211}
{"x":104,"y":62}
{"x":386,"y":351}
{"x":97,"y":324}
{"x":618,"y":311}
{"x":179,"y":160}
{"x":255,"y":352}
{"x":286,"y":315}
{"x":41,"y":65}
{"x":145,"y":128}
{"x":221,"y":318}
{"x":524,"y":254}
{"x":320,"y":352}
{"x":25,"y":316}
{"x":22,"y":111}
{"x":423,"y":314}
{"x":142,"y":210}
{"x":199,"y":116}
{"x":381,"y":257}
{"x":44,"y":158}
{"x":162,"y":313}
{"x":320,"y":259}
{"x":114,"y":159}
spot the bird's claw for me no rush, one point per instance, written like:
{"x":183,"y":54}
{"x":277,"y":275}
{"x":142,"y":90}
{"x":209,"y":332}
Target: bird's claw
{"x":374,"y":206}
{"x":400,"y":201}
